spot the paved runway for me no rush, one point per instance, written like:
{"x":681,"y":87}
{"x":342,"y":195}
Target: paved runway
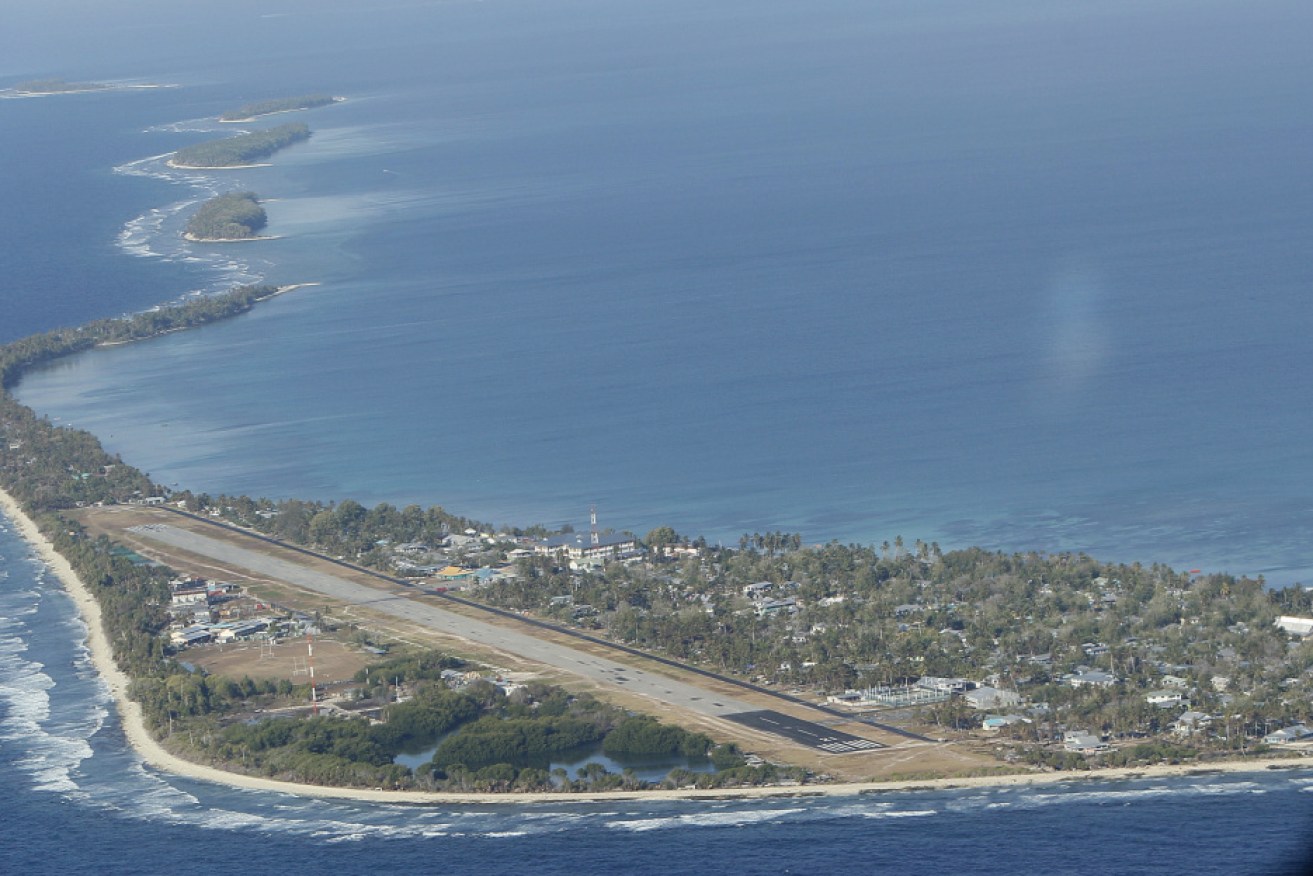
{"x":650,"y":684}
{"x":653,"y":685}
{"x":807,"y":733}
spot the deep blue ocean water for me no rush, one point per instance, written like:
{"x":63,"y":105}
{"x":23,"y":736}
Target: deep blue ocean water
{"x":1024,"y":279}
{"x":1031,"y":279}
{"x":1025,"y":275}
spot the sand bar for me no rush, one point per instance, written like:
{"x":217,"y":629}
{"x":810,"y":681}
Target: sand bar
{"x":155,"y":755}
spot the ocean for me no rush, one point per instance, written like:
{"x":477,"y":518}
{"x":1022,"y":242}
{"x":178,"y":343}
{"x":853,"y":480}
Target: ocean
{"x":1020,"y":275}
{"x":1024,"y":279}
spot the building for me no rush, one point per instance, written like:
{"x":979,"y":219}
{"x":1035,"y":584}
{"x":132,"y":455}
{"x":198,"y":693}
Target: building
{"x":944,"y":685}
{"x":1191,"y":723}
{"x":990,"y":698}
{"x":583,"y":546}
{"x":1296,"y":733}
{"x":1083,"y":743}
{"x":1094,"y":678}
{"x":995,"y":723}
{"x":1164,"y":698}
{"x":194,"y":635}
{"x":1296,"y":626}
{"x":775,"y":606}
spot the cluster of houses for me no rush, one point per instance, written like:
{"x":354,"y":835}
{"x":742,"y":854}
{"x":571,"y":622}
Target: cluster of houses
{"x":213,"y":611}
{"x":765,"y":604}
{"x":455,"y":562}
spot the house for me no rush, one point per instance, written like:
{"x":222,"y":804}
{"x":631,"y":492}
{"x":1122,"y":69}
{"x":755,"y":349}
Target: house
{"x":775,"y":606}
{"x":1295,"y":733}
{"x":1191,"y":723}
{"x":1164,"y":698}
{"x":995,"y":723}
{"x":1093,"y":677}
{"x":1083,"y":743}
{"x":758,"y":590}
{"x":985,"y":698}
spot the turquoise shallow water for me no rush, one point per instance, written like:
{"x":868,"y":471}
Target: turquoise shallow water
{"x":1031,"y":280}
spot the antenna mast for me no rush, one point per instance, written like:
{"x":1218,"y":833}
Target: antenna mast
{"x":310,"y":666}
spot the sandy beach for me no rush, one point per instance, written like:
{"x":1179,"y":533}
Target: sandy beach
{"x":155,"y":755}
{"x":186,"y":235}
{"x":178,"y":166}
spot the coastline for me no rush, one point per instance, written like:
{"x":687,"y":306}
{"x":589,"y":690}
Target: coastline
{"x":179,"y":166}
{"x":15,"y":93}
{"x":279,"y":290}
{"x":258,"y":116}
{"x":155,"y":755}
{"x":188,"y":236}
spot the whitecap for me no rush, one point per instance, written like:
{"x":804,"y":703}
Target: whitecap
{"x":700,"y":819}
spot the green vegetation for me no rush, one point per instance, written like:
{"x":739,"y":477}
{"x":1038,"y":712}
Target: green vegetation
{"x":280,"y":105}
{"x":56,"y":86}
{"x":642,"y":735}
{"x":234,"y":216}
{"x":242,"y":149}
{"x":514,"y":741}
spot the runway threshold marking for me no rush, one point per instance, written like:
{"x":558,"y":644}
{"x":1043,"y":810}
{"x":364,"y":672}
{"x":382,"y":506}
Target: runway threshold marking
{"x":809,"y":733}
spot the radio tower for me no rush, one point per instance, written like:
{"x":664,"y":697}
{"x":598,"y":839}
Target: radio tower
{"x":592,"y":514}
{"x":310,"y":666}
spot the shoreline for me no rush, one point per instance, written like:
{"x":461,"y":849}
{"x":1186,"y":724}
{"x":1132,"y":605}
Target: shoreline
{"x":155,"y":755}
{"x":179,"y":166}
{"x":278,"y":290}
{"x":18,"y":94}
{"x":191,"y":238}
{"x":258,"y":116}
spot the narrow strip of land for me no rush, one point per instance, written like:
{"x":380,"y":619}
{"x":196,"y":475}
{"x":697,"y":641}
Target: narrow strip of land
{"x":519,"y":619}
{"x":607,"y":666}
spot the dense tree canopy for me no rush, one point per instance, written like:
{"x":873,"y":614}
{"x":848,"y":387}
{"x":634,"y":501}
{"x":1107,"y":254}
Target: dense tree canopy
{"x":277,"y":105}
{"x":242,"y":149}
{"x":234,"y":216}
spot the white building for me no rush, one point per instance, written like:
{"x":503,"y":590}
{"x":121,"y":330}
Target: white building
{"x":580,"y":546}
{"x":1296,"y":626}
{"x":1164,"y":698}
